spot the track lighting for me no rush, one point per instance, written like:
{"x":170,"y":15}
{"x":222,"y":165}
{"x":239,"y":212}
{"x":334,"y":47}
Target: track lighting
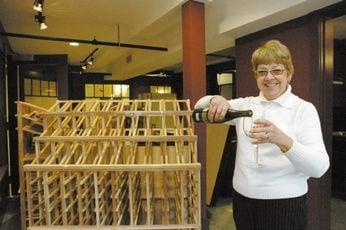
{"x":38,"y":5}
{"x":40,"y":19}
{"x":89,"y":60}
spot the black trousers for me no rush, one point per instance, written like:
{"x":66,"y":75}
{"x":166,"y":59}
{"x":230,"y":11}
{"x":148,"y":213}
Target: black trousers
{"x":278,"y":214}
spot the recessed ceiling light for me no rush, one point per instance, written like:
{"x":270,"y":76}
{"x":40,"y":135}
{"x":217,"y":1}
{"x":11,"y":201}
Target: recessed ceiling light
{"x":74,"y":44}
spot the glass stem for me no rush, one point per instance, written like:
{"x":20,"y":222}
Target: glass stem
{"x":256,"y":153}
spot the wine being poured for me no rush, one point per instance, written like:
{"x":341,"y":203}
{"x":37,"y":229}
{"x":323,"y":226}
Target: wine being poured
{"x":201,"y":115}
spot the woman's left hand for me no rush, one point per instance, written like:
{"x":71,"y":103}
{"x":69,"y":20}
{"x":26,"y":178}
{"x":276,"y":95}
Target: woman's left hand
{"x":265,"y":131}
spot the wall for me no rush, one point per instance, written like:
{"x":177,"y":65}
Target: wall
{"x":211,"y":75}
{"x":339,"y":121}
{"x":5,"y":49}
{"x":54,"y":66}
{"x":142,"y":84}
{"x":340,"y":72}
{"x":44,"y":102}
{"x":339,"y":90}
{"x":77,"y":82}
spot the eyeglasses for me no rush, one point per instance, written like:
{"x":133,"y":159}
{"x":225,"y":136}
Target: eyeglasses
{"x":274,"y":72}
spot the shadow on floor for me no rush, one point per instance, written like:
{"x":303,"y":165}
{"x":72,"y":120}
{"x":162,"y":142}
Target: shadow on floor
{"x":10,"y":213}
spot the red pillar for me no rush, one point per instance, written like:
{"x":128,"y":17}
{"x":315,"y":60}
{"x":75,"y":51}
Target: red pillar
{"x":193,"y":50}
{"x":194,"y":79}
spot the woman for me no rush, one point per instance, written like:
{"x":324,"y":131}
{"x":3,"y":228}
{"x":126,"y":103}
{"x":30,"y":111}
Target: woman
{"x":270,"y":188}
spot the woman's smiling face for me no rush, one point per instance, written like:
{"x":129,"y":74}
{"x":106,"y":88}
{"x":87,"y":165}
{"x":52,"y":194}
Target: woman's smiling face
{"x":272,"y":80}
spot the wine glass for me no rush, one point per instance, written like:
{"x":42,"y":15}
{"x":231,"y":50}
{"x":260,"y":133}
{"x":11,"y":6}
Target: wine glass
{"x":248,"y":124}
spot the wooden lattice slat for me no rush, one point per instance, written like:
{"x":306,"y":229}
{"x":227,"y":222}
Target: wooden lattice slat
{"x":125,"y":163}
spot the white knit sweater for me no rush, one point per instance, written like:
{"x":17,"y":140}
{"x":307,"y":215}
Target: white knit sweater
{"x":284,"y":175}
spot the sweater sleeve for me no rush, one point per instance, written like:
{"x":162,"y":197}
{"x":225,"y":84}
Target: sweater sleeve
{"x":308,"y":153}
{"x":203,"y":102}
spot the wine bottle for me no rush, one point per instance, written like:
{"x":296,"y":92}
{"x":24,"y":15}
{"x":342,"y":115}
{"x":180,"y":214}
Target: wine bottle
{"x":201,"y":115}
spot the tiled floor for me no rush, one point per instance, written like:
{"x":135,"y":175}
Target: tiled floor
{"x":338,"y":214}
{"x":221,"y":215}
{"x":9,"y":214}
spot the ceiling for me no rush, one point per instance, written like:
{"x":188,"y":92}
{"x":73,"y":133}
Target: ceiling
{"x":140,"y":22}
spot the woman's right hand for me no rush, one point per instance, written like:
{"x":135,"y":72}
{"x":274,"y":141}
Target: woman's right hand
{"x":218,"y":108}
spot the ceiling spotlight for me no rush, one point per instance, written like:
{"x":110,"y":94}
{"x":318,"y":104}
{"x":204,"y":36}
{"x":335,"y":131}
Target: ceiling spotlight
{"x":38,"y":5}
{"x":43,"y":26}
{"x":84,"y":67}
{"x":40,"y":19}
{"x":91,"y":61}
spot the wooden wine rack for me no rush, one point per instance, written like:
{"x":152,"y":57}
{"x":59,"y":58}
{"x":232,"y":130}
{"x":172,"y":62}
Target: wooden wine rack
{"x":112,"y":164}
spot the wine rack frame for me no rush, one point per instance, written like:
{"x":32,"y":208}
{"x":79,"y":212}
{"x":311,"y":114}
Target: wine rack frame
{"x":109,"y":164}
